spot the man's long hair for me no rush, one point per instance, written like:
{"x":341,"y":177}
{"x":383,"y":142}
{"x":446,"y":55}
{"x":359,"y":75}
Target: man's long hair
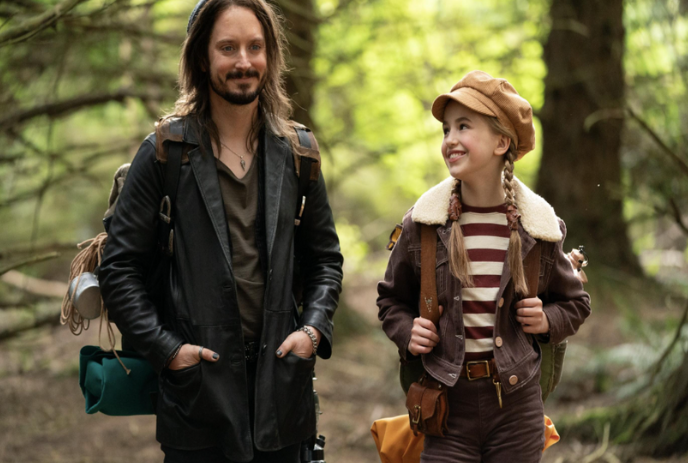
{"x":274,"y":106}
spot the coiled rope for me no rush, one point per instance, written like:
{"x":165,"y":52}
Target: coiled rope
{"x":87,"y":261}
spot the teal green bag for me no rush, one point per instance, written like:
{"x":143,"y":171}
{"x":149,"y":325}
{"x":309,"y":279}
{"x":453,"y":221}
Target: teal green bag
{"x":108,"y":388}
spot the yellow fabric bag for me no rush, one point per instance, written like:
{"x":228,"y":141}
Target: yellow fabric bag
{"x":551,"y":434}
{"x":396,"y":443}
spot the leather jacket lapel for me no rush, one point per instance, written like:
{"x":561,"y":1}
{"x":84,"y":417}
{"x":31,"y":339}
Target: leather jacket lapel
{"x":276,"y":154}
{"x":205,"y":171}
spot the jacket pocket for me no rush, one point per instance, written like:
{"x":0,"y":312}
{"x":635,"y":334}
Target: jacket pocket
{"x":198,"y":404}
{"x":441,"y":265}
{"x":294,"y":400}
{"x":180,"y":372}
{"x":180,"y":392}
{"x":545,"y":271}
{"x":518,"y":331}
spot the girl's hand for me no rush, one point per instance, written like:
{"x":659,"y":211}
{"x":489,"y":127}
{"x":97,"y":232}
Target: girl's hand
{"x":188,"y":357}
{"x":530,"y":315}
{"x":423,"y":336}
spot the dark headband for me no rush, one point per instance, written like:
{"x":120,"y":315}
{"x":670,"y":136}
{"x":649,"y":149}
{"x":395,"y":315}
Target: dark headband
{"x":194,"y":14}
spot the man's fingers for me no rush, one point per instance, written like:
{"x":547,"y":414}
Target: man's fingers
{"x":286,"y":347}
{"x":441,"y":310}
{"x":209,"y":355}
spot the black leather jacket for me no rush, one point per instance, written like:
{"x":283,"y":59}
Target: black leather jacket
{"x":207,"y":404}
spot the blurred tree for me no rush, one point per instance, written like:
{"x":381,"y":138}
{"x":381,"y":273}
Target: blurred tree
{"x":81,"y":84}
{"x":301,"y":24}
{"x":582,"y":120}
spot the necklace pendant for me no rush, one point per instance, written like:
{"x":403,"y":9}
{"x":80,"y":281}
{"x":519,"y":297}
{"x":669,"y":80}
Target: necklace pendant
{"x":243,"y":164}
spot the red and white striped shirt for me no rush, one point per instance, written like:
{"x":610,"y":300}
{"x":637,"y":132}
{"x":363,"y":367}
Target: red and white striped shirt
{"x":486,"y":236}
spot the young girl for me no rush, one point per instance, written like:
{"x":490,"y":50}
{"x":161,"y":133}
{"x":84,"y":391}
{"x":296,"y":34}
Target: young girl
{"x":484,"y":348}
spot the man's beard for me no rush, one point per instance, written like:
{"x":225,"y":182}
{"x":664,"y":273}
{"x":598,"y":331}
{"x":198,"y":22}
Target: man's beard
{"x":238,"y":98}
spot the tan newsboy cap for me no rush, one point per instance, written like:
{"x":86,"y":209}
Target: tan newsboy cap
{"x":487,"y":95}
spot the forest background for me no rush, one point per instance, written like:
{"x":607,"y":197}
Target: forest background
{"x":83,"y":81}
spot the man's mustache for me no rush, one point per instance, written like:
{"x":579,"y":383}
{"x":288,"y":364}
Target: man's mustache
{"x":242,"y":74}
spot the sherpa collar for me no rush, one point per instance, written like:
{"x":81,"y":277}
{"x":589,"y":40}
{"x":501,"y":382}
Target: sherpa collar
{"x":537,"y":216}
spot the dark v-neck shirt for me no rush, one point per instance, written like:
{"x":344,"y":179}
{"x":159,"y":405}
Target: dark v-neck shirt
{"x":240,"y":198}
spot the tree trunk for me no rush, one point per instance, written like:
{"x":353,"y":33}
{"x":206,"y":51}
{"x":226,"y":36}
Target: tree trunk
{"x":300,"y":26}
{"x":582,"y":120}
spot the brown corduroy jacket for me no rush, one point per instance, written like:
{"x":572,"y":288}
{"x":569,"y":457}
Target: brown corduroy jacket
{"x":517,"y":356}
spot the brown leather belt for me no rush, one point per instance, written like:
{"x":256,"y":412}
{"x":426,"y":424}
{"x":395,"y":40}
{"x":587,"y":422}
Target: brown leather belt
{"x":479,"y":369}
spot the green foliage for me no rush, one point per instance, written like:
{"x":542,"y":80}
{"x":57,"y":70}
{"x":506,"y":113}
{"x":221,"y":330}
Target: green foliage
{"x":110,"y":65}
{"x":656,"y":66}
{"x":380,"y":65}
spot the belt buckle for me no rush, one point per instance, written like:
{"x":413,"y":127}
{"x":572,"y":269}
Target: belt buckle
{"x":250,"y":351}
{"x":476,"y":362}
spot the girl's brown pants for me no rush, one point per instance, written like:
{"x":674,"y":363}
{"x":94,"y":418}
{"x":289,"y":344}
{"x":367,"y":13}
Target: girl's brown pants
{"x":480,"y":431}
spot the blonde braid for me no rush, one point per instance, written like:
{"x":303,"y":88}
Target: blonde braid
{"x":514,"y":252}
{"x":459,"y":262}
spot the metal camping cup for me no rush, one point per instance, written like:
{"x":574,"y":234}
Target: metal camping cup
{"x":86,"y":297}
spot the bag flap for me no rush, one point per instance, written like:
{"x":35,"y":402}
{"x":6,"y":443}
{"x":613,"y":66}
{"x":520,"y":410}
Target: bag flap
{"x":414,"y":396}
{"x":429,"y":403}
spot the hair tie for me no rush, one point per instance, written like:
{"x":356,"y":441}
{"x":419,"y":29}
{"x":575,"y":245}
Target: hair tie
{"x":454,"y":207}
{"x":512,"y":216}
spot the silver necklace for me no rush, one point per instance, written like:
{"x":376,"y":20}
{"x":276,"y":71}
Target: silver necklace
{"x":242,"y":162}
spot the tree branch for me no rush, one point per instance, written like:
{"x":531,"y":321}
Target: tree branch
{"x":43,"y":315}
{"x":678,"y":217}
{"x":658,"y":365}
{"x":682,"y":164}
{"x":62,"y":108}
{"x":34,"y":286}
{"x":30,"y":260}
{"x":46,"y":248}
{"x":33,"y":26}
{"x":9,"y":158}
{"x":70,"y":172}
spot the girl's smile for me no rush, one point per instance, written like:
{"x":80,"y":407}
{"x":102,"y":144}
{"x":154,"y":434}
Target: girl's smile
{"x":471,"y":149}
{"x":454,"y":156}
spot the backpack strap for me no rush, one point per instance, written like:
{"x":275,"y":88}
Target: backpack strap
{"x":531,"y":268}
{"x":307,"y":163}
{"x":170,"y":187}
{"x":429,"y":306}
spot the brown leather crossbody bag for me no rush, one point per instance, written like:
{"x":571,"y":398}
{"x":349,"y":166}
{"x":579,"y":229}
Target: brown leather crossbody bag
{"x":426,"y":400}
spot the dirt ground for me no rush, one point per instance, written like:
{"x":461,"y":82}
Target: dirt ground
{"x":42,"y":416}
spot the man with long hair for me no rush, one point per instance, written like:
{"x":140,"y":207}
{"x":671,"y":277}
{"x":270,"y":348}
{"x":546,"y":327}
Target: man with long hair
{"x":235,"y":357}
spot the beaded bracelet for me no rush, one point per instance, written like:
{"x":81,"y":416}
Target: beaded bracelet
{"x":174,"y":356}
{"x":311,"y":335}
